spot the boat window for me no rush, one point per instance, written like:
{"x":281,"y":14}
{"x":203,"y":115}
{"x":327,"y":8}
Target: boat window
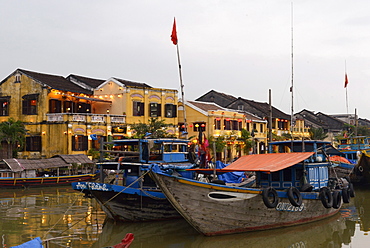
{"x":287,"y":174}
{"x":298,"y":174}
{"x":264,"y":176}
{"x":275,"y":176}
{"x":183,"y":148}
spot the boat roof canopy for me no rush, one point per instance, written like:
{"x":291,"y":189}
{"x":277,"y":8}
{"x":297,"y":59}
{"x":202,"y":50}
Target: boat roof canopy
{"x":270,"y":162}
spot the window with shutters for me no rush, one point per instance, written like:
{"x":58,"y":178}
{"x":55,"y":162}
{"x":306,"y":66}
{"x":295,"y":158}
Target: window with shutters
{"x":79,"y":143}
{"x":155,"y":109}
{"x":4,"y":106}
{"x":33,"y":143}
{"x":55,"y":106}
{"x":138,"y":109}
{"x":171,"y":110}
{"x":29,"y":104}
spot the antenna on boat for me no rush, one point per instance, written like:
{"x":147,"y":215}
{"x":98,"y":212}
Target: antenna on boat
{"x":291,"y":87}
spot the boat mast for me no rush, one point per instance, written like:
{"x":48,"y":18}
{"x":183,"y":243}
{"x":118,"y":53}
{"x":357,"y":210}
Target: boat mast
{"x":291,"y":87}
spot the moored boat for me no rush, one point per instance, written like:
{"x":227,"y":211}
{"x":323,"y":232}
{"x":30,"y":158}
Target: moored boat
{"x":357,"y":150}
{"x":130,"y":194}
{"x":291,"y":189}
{"x":56,"y":171}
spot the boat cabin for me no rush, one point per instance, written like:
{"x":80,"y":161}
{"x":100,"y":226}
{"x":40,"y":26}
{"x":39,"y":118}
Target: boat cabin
{"x":147,"y":151}
{"x":130,"y":158}
{"x":284,"y":170}
{"x":321,"y":149}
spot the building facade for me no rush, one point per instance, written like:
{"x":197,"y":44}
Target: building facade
{"x":70,"y":115}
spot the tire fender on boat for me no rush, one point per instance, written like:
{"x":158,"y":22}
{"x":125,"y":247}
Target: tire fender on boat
{"x":268,"y":193}
{"x":337,"y":199}
{"x":294,"y":196}
{"x":326,"y":197}
{"x":346,"y":195}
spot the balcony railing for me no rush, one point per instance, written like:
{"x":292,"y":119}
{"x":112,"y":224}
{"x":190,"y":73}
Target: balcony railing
{"x":93,"y":118}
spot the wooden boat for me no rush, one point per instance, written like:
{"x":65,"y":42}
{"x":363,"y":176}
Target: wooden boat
{"x":56,"y":171}
{"x":357,"y":150}
{"x":131,"y":195}
{"x":354,"y":146}
{"x":289,"y":191}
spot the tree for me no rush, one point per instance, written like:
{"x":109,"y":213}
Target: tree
{"x":156,"y":128}
{"x":13,"y":133}
{"x":317,"y":133}
{"x":247,"y":139}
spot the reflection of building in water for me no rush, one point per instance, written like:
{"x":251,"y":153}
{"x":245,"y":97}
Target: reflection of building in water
{"x":47,"y":213}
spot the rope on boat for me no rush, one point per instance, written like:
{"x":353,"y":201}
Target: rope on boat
{"x":142,"y":176}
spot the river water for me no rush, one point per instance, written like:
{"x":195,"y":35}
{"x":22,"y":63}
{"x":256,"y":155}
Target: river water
{"x":75,"y":221}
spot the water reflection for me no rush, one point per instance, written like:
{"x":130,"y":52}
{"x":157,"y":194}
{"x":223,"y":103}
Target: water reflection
{"x":48,"y":213}
{"x":55,"y":212}
{"x":331,"y":232}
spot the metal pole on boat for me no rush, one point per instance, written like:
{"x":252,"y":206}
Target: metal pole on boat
{"x":270,"y":117}
{"x":291,"y":88}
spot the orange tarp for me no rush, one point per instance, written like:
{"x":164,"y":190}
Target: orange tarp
{"x":339,"y":159}
{"x":270,"y":162}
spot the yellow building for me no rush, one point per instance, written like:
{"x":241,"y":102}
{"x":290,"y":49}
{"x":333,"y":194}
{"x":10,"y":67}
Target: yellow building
{"x":216,"y":121}
{"x":138,"y":102}
{"x":300,"y":131}
{"x":63,"y":116}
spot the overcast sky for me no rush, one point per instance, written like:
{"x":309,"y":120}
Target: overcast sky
{"x":239,"y":47}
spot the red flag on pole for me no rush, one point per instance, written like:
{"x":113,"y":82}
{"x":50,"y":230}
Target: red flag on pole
{"x":345,"y":81}
{"x":174,"y":33}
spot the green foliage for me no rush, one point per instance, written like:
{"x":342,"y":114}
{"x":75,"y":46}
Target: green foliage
{"x":247,"y":139}
{"x":317,"y":134}
{"x":219,"y":141}
{"x":363,"y":131}
{"x":93,"y":153}
{"x":156,"y":127}
{"x":13,"y":133}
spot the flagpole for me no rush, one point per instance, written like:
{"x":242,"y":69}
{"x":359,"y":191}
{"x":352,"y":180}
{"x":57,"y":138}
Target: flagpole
{"x":175,"y":42}
{"x":182,"y":88}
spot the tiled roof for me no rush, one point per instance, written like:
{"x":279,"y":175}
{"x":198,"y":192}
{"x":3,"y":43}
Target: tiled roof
{"x":75,"y":159}
{"x":54,"y":82}
{"x":31,"y":164}
{"x":262,"y":109}
{"x":133,"y":84}
{"x":206,"y":105}
{"x":54,"y":162}
{"x":92,"y":82}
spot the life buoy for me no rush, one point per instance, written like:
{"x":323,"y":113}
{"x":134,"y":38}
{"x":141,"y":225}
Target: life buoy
{"x":337,"y":199}
{"x":346,"y":195}
{"x":270,"y":194}
{"x":351,"y":190}
{"x":326,"y":197}
{"x":294,"y":196}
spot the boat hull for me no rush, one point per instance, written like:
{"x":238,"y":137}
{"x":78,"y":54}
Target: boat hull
{"x":361,"y":173}
{"x":214,"y":209}
{"x":129,"y":204}
{"x":44,"y":181}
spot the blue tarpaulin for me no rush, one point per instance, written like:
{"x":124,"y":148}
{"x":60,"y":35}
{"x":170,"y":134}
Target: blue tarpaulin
{"x":34,"y":243}
{"x":229,"y":177}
